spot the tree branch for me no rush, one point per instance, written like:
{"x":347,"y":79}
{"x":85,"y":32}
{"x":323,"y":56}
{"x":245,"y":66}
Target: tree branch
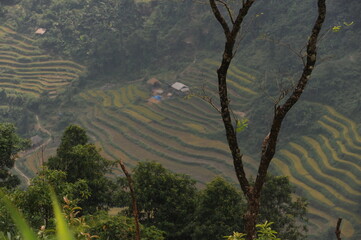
{"x":228,"y":10}
{"x":222,"y":87}
{"x":282,"y":110}
{"x":338,"y":230}
{"x":219,"y":17}
{"x":134,"y":200}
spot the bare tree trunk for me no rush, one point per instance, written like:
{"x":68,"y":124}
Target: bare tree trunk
{"x":338,"y":230}
{"x":252,"y":193}
{"x":134,"y":200}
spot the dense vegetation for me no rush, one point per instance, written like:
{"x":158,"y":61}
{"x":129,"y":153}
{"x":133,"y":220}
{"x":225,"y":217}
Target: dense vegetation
{"x":166,"y":201}
{"x":117,"y":42}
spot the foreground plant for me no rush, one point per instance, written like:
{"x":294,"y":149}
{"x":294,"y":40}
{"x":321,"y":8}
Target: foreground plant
{"x":264,"y":231}
{"x":63,"y":231}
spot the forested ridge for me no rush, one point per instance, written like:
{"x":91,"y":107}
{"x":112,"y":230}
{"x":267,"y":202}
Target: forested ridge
{"x":93,"y":67}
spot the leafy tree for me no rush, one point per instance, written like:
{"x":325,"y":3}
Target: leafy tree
{"x":35,"y":201}
{"x":73,"y":136}
{"x":231,"y":25}
{"x":165,"y":199}
{"x":82,"y":160}
{"x":10,"y":145}
{"x":219,"y":210}
{"x":220,"y":207}
{"x":120,"y":227}
{"x":78,"y":158}
{"x":9,"y":2}
{"x":287,"y":212}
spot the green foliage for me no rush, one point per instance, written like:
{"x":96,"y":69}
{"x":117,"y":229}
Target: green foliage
{"x":81,"y":160}
{"x":120,"y":227}
{"x":241,"y":124}
{"x":62,"y":229}
{"x":339,"y":27}
{"x":219,"y":211}
{"x":288,"y":213}
{"x":10,"y":145}
{"x":36,"y":202}
{"x":264,"y":232}
{"x":18,"y":218}
{"x":69,"y":226}
{"x":72,"y":136}
{"x":165,"y":199}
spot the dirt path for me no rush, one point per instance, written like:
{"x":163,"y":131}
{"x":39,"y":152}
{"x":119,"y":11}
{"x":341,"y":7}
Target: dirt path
{"x":26,"y":153}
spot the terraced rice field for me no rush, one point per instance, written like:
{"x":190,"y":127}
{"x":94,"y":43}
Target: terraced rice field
{"x":326,"y":169}
{"x":186,"y":135}
{"x":29,"y":71}
{"x":183,"y":134}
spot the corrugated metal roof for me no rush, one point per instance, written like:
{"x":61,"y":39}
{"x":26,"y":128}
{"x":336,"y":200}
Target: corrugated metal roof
{"x":179,"y":86}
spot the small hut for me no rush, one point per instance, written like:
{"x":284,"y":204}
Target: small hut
{"x":40,"y":31}
{"x":155,"y":83}
{"x":180,"y":87}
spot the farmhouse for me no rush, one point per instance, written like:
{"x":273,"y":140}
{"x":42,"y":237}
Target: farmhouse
{"x":40,"y":31}
{"x":180,"y":87}
{"x":155,"y":83}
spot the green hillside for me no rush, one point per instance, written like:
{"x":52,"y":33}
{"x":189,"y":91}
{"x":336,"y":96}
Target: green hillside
{"x":325,"y":167}
{"x":186,"y":135}
{"x":177,"y":41}
{"x":179,"y":132}
{"x":26,"y":70}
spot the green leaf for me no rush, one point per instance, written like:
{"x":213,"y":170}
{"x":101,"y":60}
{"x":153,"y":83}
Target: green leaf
{"x":18,"y":218}
{"x":241,"y":125}
{"x":348,"y":24}
{"x":336,"y":28}
{"x":62,"y":230}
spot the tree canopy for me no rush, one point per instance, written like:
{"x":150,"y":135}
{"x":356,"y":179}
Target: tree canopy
{"x":165,"y":199}
{"x":81,"y":160}
{"x":10,"y":145}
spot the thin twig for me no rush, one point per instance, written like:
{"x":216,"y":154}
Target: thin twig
{"x":228,"y":9}
{"x":134,"y":200}
{"x":338,"y":230}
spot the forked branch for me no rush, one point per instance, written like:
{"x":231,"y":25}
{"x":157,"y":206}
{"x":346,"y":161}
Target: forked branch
{"x":230,"y":35}
{"x":252,"y":192}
